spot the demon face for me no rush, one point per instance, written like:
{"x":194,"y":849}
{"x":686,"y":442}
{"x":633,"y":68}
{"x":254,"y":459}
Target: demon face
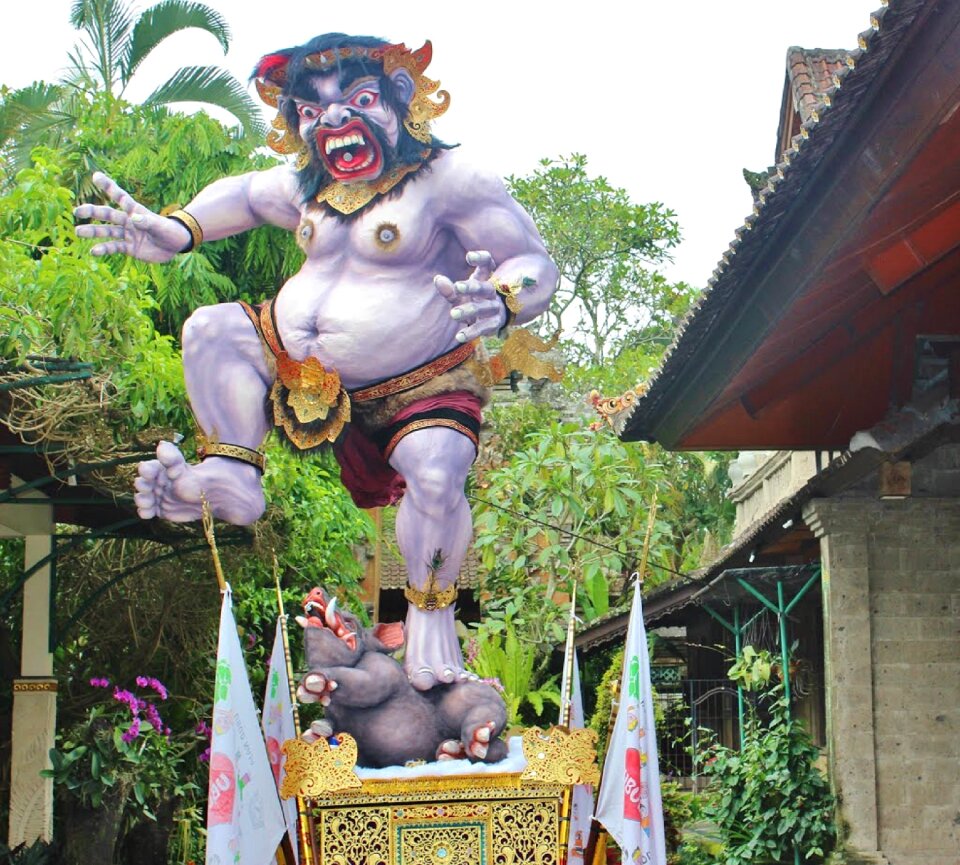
{"x":350,"y":127}
{"x":340,"y":125}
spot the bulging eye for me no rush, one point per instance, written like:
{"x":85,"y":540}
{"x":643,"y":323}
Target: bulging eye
{"x":308,"y":112}
{"x":365,"y":99}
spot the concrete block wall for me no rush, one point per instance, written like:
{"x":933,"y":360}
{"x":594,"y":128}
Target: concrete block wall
{"x":892,"y":648}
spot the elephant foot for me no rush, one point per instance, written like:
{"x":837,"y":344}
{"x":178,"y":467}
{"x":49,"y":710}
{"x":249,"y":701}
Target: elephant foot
{"x":451,"y":749}
{"x":318,"y":730}
{"x":478,"y":743}
{"x":316,"y":688}
{"x":170,"y":488}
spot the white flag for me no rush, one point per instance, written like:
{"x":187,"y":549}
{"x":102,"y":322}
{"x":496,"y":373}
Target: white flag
{"x":629,"y":804}
{"x":278,"y":726}
{"x":581,"y":806}
{"x":244,"y":819}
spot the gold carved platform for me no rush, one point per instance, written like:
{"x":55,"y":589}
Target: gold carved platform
{"x":508,"y":818}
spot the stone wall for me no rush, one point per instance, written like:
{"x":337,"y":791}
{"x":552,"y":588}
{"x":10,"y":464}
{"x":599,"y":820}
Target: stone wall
{"x":891,"y":584}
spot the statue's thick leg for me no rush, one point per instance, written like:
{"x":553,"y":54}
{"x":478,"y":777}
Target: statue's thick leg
{"x":433,"y":516}
{"x":227,"y":381}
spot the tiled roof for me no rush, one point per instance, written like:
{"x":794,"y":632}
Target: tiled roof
{"x":827,"y":120}
{"x":811,"y":71}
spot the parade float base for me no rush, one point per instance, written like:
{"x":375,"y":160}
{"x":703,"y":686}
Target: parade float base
{"x":447,"y":813}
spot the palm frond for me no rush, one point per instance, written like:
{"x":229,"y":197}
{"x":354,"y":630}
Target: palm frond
{"x":18,"y":107}
{"x":106,"y":24}
{"x":214,"y":86}
{"x":165,"y":19}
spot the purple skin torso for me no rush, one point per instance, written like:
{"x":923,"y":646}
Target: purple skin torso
{"x":364,"y":302}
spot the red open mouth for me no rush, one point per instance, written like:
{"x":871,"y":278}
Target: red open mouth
{"x":350,"y":152}
{"x":321,"y":613}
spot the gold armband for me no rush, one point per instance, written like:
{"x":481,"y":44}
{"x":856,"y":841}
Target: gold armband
{"x":233,"y":452}
{"x":433,"y":597}
{"x":509,"y":291}
{"x":191,"y":224}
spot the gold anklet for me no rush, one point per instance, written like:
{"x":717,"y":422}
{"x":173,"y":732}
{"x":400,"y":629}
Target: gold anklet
{"x":233,"y":452}
{"x":432,"y":598}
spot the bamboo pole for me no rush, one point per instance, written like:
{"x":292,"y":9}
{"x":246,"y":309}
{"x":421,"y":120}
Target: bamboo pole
{"x":304,"y":826}
{"x":566,"y":711}
{"x":211,"y":537}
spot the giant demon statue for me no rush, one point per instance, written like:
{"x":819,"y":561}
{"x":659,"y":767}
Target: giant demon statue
{"x":411,"y":255}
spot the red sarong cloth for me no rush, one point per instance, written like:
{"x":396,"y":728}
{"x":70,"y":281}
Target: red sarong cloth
{"x":368,"y":477}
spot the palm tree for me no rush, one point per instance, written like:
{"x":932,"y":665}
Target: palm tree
{"x":114,"y":44}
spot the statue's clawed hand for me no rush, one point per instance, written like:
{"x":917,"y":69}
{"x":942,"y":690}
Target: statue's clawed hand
{"x":133,"y":230}
{"x":474,"y":301}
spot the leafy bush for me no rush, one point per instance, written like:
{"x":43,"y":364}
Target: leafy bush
{"x":770,"y":797}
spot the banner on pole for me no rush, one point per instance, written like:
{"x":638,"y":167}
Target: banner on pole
{"x":244,"y":818}
{"x":629,"y":804}
{"x":278,"y":726}
{"x":581,"y":804}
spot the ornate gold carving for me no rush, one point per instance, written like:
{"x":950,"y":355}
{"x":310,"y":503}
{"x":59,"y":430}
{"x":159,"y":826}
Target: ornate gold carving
{"x":516,"y":354}
{"x":317,"y":768}
{"x":355,"y":836}
{"x":525,"y":832}
{"x":347,"y":198}
{"x":421,"y":109}
{"x":510,"y":291}
{"x":472,"y":820}
{"x":26,"y":686}
{"x":609,"y":407}
{"x":432,"y":597}
{"x":560,"y":756}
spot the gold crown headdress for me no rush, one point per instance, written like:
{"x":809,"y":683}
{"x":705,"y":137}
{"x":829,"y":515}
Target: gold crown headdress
{"x":271,"y":76}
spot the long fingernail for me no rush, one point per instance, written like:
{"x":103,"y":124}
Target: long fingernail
{"x":456,"y":314}
{"x":461,"y":336}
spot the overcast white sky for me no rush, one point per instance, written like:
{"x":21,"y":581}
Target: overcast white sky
{"x":669,"y":99}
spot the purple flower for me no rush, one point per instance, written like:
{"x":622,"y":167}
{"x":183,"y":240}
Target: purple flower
{"x":159,"y":688}
{"x":203,"y":729}
{"x":204,"y":756}
{"x":153,"y":716}
{"x":142,"y":681}
{"x":132,"y":731}
{"x":100,"y":683}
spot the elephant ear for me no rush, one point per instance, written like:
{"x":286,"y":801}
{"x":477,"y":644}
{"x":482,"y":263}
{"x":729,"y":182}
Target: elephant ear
{"x":389,"y":634}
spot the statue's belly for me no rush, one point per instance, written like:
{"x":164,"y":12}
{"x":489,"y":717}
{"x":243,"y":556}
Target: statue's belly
{"x":367,"y":330}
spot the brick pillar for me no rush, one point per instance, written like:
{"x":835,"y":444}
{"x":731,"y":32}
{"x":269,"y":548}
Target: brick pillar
{"x":841,"y":525}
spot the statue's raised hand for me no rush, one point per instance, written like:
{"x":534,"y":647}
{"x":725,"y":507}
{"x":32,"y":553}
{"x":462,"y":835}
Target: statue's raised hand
{"x":133,"y":230}
{"x":474,"y":300}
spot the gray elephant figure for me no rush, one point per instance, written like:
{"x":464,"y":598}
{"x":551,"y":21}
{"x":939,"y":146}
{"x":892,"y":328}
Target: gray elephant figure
{"x":366,"y":693}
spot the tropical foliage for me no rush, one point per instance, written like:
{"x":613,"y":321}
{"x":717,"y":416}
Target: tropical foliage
{"x":114,"y":42}
{"x":771,"y":799}
{"x":606,"y":248}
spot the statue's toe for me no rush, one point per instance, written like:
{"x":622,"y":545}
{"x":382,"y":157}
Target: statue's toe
{"x":423,"y":679}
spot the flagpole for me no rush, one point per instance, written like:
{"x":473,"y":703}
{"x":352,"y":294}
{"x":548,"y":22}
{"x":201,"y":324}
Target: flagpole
{"x":304,"y":831}
{"x":566,"y":710}
{"x":595,"y":852}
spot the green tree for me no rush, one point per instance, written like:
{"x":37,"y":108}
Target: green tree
{"x":605,"y":247}
{"x":114,"y":43}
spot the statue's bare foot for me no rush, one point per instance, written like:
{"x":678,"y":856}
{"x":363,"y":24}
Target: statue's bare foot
{"x":170,"y":488}
{"x":433,"y":655}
